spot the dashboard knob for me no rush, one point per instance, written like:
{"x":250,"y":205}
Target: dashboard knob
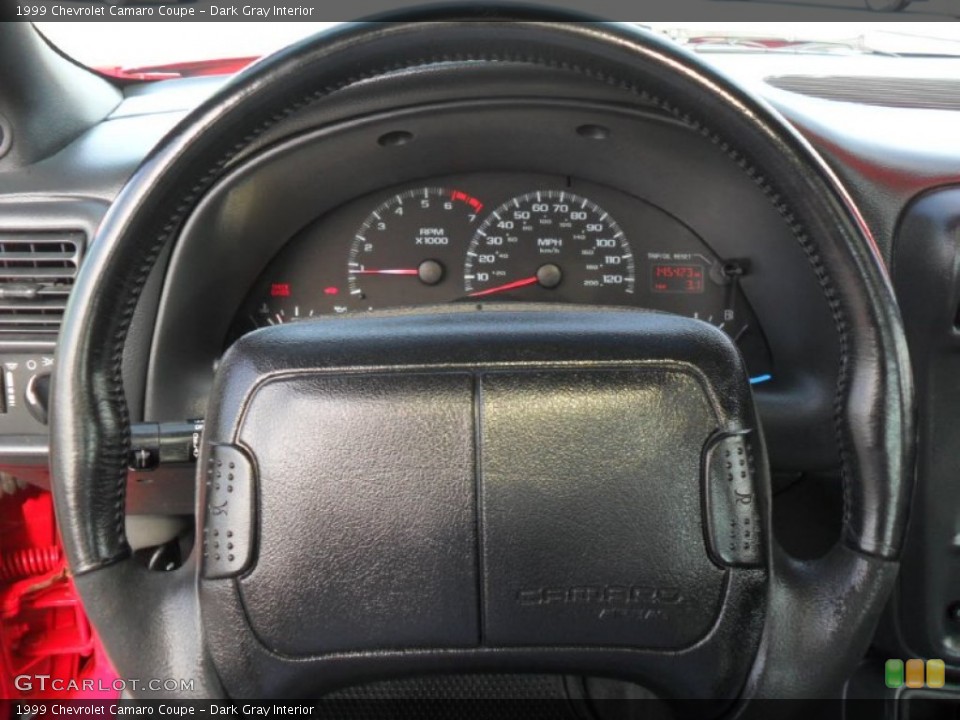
{"x":37,"y":396}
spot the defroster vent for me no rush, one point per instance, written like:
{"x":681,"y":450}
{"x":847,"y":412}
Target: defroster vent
{"x":37,"y":270}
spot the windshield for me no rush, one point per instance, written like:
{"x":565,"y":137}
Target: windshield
{"x":184,"y":48}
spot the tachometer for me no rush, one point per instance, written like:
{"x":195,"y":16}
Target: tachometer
{"x":550,"y":245}
{"x":409,"y":248}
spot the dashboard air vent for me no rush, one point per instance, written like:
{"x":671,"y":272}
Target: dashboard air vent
{"x":37,"y":270}
{"x":902,"y":92}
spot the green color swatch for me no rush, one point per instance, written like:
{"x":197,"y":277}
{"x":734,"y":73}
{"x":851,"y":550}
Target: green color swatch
{"x":893,"y":673}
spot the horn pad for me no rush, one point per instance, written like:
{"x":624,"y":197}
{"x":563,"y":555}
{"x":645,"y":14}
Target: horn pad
{"x":517,"y":495}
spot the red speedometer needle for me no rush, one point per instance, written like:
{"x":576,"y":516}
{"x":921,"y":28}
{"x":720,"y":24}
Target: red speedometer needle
{"x":508,"y":286}
{"x":393,"y":271}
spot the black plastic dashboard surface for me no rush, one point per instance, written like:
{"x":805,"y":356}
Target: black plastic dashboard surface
{"x":789,"y":309}
{"x":926,"y":275}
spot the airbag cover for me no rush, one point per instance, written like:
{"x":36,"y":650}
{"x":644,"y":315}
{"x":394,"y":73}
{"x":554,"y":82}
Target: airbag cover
{"x":520,"y":492}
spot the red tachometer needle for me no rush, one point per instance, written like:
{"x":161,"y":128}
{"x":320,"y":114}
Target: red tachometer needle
{"x":402,"y":271}
{"x":509,"y":286}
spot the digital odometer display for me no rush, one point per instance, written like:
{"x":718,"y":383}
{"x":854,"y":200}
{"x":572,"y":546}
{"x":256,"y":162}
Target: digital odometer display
{"x":676,"y":278}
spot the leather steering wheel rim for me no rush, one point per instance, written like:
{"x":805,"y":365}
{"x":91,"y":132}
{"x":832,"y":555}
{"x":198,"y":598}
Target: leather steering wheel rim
{"x":874,"y":402}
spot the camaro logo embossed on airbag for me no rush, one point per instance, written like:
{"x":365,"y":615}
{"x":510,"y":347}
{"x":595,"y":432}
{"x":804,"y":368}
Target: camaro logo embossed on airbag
{"x":617,"y":595}
{"x":614,"y":602}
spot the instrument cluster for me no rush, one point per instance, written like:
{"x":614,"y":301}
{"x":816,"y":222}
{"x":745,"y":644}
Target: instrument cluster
{"x":510,"y":238}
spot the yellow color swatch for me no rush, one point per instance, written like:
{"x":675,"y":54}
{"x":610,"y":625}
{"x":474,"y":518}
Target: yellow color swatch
{"x":936,"y":674}
{"x":914,"y":673}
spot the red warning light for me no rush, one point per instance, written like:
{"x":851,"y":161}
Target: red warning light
{"x":471,"y":201}
{"x":280,"y":290}
{"x":331,"y":290}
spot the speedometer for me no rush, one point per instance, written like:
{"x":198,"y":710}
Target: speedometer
{"x":550,"y":245}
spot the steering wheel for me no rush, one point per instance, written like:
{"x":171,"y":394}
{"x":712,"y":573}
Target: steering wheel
{"x":486,"y":488}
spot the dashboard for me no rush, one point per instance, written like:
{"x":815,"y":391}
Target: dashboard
{"x":570,"y":200}
{"x":506,"y":238}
